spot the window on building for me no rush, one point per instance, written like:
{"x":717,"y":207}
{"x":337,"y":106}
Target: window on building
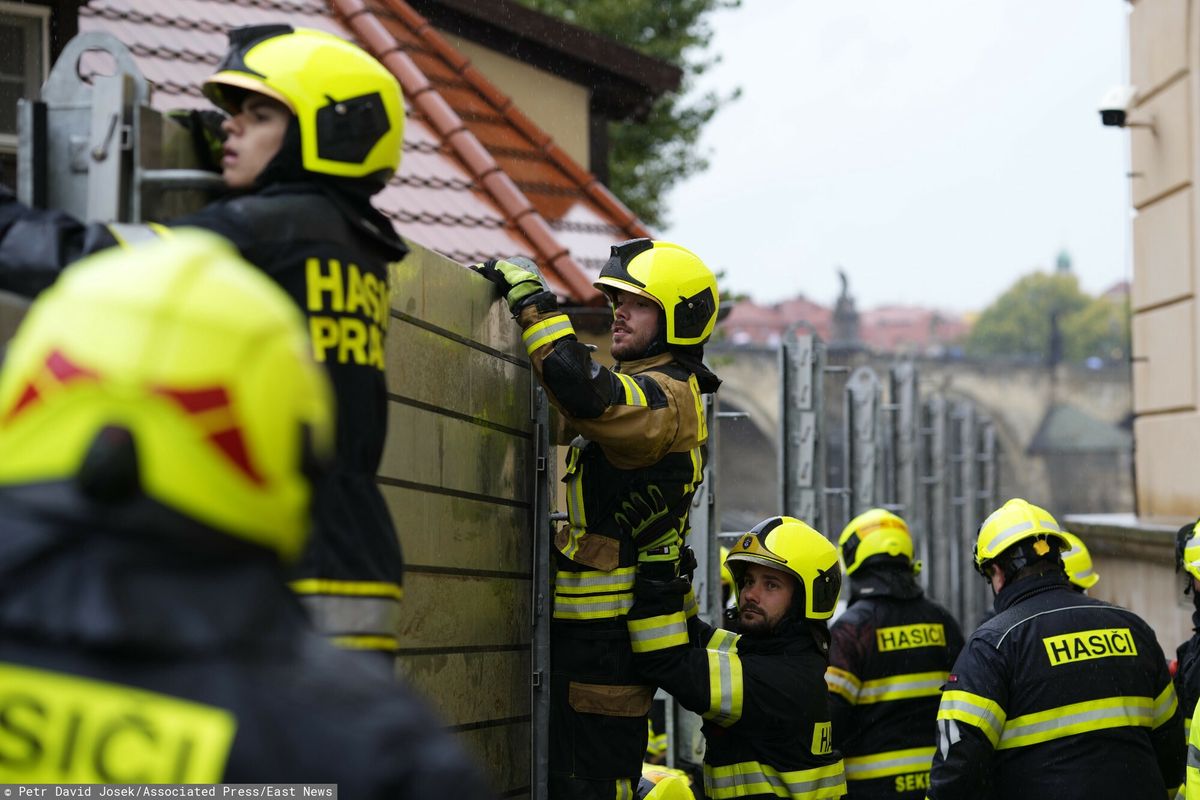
{"x":24,"y":45}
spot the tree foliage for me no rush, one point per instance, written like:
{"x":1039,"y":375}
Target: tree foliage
{"x":1020,"y":322}
{"x":648,"y":158}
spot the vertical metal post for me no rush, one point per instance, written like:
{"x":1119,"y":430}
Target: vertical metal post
{"x":964,"y":524}
{"x":862,"y":437}
{"x":544,"y":485}
{"x":905,"y":442}
{"x":801,"y":413}
{"x":937,"y":517}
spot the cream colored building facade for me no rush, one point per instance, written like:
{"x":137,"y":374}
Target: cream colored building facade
{"x":1135,"y":554}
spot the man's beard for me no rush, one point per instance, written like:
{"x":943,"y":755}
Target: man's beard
{"x":754,"y":624}
{"x":632,"y":349}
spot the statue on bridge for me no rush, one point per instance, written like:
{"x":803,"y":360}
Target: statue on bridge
{"x":845,"y":318}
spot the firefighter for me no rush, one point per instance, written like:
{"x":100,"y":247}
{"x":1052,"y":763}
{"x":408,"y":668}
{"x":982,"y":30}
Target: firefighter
{"x":1058,"y":695}
{"x":315,"y":129}
{"x":1187,"y":672}
{"x":162,"y":420}
{"x":760,"y":690}
{"x":891,"y":652}
{"x":630,"y":477}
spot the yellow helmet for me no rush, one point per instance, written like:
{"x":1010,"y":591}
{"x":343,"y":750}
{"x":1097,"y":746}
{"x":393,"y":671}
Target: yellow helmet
{"x":673,"y":277}
{"x":1078,"y":562}
{"x":1015,"y":523}
{"x":877,"y":532}
{"x":1187,"y":549}
{"x":664,"y":783}
{"x":791,"y":546}
{"x":349,"y":108}
{"x":727,"y":584}
{"x":192,"y":358}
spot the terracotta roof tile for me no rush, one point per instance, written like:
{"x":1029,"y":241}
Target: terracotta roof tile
{"x":478,"y":179}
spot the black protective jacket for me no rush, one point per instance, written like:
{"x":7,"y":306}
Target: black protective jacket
{"x":767,"y":724}
{"x":1059,"y":695}
{"x":1187,"y":672}
{"x":149,"y":649}
{"x":331,"y":254}
{"x":890,"y":653}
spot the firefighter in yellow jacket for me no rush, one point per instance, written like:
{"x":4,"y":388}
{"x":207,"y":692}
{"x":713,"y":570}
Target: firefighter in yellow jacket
{"x":1058,"y":695}
{"x":633,"y":468}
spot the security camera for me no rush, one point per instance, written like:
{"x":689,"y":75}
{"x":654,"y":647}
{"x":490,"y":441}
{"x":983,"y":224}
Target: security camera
{"x":1114,"y":107}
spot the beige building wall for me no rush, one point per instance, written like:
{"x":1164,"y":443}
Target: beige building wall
{"x":1164,"y":65}
{"x":559,"y":107}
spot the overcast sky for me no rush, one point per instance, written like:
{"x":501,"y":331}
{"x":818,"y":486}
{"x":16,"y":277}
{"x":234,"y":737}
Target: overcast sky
{"x":935,"y":149}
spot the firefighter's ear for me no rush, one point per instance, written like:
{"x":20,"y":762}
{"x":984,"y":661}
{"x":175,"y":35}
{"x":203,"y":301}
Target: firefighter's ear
{"x":109,"y":473}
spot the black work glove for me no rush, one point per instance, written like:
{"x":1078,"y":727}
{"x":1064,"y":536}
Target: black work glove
{"x":517,"y":278}
{"x":208,"y":138}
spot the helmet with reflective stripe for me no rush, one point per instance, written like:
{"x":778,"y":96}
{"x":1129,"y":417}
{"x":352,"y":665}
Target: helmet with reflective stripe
{"x":791,"y":546}
{"x":663,"y":783}
{"x":172,"y":373}
{"x":1018,"y":524}
{"x":1078,"y":562}
{"x":673,"y":277}
{"x":1187,"y":549}
{"x":877,"y":532}
{"x":348,"y":106}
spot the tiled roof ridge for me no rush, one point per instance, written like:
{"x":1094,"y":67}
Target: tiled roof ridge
{"x":495,"y":181}
{"x":588,"y":183}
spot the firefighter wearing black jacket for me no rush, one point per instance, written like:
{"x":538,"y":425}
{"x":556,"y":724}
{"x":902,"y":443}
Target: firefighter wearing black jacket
{"x":1058,"y":695}
{"x":761,"y":691}
{"x":891,"y":652}
{"x":1187,"y":673}
{"x":630,"y":478}
{"x":161,"y":419}
{"x":305,"y":149}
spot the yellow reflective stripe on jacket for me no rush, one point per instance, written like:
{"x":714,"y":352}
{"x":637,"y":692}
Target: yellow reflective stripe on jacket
{"x":594,"y":581}
{"x":359,"y":615}
{"x":893,"y":762}
{"x":753,"y":778}
{"x":658,"y":633}
{"x":973,"y":709}
{"x":701,"y":419}
{"x":902,"y":687}
{"x":601,"y":606}
{"x":1164,"y":706}
{"x":546,"y":332}
{"x":690,"y":607}
{"x":634,"y":396}
{"x":347,"y":588}
{"x":724,"y":687}
{"x":1090,"y":715}
{"x":842,"y":683}
{"x":575,"y":509}
{"x":130,"y":234}
{"x":386,"y":644}
{"x":624,"y":789}
{"x":722,"y":641}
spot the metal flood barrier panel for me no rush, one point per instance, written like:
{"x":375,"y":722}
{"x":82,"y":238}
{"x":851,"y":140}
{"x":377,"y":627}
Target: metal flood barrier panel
{"x":466,"y":475}
{"x":930,"y":459}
